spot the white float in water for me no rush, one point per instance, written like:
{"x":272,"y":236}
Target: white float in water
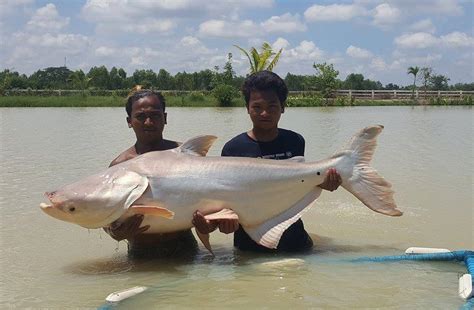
{"x":124,"y":294}
{"x":465,"y":286}
{"x":418,"y":250}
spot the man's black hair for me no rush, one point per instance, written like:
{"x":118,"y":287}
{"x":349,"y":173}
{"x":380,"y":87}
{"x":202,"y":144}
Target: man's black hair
{"x":142,"y":94}
{"x":264,"y":81}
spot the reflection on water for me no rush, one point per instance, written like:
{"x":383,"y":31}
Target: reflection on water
{"x":425,"y":152}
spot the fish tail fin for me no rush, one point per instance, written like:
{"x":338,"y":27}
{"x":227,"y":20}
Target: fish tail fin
{"x":365,"y":183}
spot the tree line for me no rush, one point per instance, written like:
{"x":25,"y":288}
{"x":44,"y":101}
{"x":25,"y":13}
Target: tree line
{"x":101,"y":78}
{"x":325,"y":78}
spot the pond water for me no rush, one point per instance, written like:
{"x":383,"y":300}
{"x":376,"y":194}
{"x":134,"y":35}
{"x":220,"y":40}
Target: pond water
{"x":425,"y":152}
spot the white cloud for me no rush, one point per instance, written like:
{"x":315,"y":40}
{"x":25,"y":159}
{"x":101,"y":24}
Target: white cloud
{"x":424,"y":25}
{"x":190,"y":41}
{"x":416,"y":40}
{"x":420,"y":7}
{"x":193,"y":43}
{"x":148,"y":26}
{"x":378,"y":64}
{"x":228,"y":29}
{"x":104,"y":51}
{"x":68,"y":42}
{"x":47,"y":19}
{"x":457,"y":39}
{"x":358,"y":52}
{"x":280,"y":43}
{"x":334,"y":12}
{"x":422,"y":40}
{"x":285,"y":23}
{"x":384,"y":15}
{"x":306,"y":50}
{"x":8,"y":6}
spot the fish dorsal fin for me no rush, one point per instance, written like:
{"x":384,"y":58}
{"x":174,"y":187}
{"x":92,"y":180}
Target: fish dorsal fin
{"x":198,"y":146}
{"x":269,"y":233}
{"x":298,"y":159}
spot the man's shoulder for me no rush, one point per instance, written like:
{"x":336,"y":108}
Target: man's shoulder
{"x":124,"y":156}
{"x":236,"y":145}
{"x":290,"y":135}
{"x":237,"y":140}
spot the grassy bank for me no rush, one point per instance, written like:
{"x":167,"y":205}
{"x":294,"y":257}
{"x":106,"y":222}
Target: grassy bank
{"x":209,"y":101}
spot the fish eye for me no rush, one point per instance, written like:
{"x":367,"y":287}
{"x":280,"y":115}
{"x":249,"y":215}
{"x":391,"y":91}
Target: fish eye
{"x":72,"y":209}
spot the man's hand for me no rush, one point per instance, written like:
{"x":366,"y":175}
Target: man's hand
{"x":128,"y":229}
{"x":205,"y":226}
{"x":332,"y":180}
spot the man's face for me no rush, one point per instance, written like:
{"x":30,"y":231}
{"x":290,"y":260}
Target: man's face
{"x":147,"y":119}
{"x":264,"y":109}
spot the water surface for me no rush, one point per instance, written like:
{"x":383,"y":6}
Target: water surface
{"x":426,"y":152}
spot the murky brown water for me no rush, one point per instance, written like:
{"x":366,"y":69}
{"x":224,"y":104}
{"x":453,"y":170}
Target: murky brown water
{"x":426,"y":152}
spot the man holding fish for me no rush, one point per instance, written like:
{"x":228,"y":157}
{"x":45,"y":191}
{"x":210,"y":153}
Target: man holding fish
{"x":265,"y":96}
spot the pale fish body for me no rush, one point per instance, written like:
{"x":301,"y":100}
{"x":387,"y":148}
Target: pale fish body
{"x":267,"y":195}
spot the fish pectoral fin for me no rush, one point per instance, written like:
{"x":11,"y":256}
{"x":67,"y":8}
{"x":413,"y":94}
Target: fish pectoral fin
{"x":205,"y":241}
{"x":269,"y":233}
{"x":224,"y":214}
{"x":152,"y":210}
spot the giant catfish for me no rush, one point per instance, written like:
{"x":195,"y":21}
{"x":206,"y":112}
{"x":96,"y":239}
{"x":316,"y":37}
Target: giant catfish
{"x":267,"y":195}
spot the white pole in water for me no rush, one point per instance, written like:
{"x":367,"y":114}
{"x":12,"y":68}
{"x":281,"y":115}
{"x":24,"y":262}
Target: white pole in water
{"x":124,"y":294}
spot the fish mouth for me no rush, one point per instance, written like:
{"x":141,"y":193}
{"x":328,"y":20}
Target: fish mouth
{"x":44,"y":206}
{"x":48,"y":209}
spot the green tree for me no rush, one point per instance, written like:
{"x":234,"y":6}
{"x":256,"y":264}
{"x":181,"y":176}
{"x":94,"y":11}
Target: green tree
{"x":325,"y":78}
{"x":146,"y":78}
{"x":260,"y":61}
{"x":296,"y":82}
{"x":183,"y":81}
{"x":164,"y":80}
{"x":229,"y":73}
{"x":12,"y":79}
{"x":426,"y":73}
{"x":117,"y":78}
{"x":79,"y":81}
{"x":100,"y":78}
{"x":439,"y":82}
{"x":414,"y":71}
{"x":391,"y":86}
{"x":203,"y":79}
{"x":51,"y":78}
{"x":354,"y":81}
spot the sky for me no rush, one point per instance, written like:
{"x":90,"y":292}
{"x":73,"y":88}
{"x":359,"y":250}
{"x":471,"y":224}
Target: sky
{"x":377,"y":38}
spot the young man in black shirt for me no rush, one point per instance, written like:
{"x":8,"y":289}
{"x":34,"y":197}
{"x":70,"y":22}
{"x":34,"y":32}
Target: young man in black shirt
{"x":265,"y":96}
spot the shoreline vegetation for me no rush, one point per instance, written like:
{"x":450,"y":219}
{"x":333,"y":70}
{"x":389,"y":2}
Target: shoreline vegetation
{"x":198,"y":99}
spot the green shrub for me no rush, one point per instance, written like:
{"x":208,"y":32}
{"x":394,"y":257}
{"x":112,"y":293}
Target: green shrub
{"x":196,"y":96}
{"x":304,"y":101}
{"x":224,"y":94}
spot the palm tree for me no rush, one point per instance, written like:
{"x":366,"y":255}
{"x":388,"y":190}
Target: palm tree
{"x":260,"y":61}
{"x":414,"y":71}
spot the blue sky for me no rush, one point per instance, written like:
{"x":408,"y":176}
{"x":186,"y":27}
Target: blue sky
{"x":378,"y":38}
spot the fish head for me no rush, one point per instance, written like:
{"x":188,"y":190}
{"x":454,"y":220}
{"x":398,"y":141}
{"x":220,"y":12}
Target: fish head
{"x":97,"y":200}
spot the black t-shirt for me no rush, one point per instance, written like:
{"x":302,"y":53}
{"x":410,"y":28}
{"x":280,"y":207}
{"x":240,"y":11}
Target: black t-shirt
{"x":287,"y":144}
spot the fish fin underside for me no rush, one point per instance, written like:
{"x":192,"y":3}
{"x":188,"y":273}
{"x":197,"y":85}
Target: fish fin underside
{"x":298,"y":159}
{"x":224,"y":214}
{"x":198,"y":146}
{"x":269,"y":233}
{"x":205,"y":241}
{"x":152,"y":210}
